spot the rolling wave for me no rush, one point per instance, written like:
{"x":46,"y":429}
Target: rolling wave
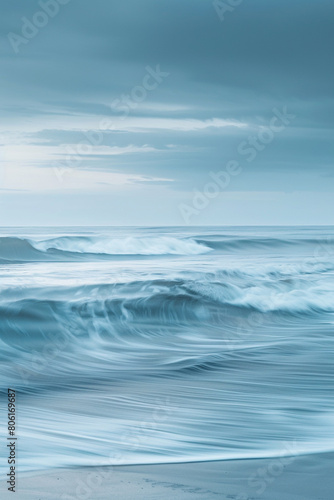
{"x":22,"y":250}
{"x":67,"y":247}
{"x":258,"y":243}
{"x":179,"y":299}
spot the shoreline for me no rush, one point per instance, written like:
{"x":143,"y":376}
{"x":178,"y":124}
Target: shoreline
{"x":304,"y":477}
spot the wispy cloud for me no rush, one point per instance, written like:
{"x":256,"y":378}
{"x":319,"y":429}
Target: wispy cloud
{"x":30,"y":154}
{"x":35,"y":179}
{"x":179,"y":125}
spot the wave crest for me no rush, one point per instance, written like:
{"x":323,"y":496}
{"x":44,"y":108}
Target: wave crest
{"x":162,"y":245}
{"x":63,"y":247}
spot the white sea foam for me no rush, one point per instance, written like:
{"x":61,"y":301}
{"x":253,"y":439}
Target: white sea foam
{"x":163,"y":245}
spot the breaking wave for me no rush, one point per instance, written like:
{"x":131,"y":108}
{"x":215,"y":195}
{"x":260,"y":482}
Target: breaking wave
{"x":17,"y":249}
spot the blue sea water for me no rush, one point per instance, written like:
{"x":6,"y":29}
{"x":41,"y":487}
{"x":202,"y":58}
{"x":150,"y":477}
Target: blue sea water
{"x":155,"y":345}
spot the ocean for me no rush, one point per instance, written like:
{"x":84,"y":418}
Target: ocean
{"x":157,"y":345}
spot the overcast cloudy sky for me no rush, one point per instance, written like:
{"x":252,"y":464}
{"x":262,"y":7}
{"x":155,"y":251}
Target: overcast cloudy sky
{"x":131,"y":111}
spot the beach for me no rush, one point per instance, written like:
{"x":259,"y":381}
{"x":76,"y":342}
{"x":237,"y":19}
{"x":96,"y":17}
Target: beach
{"x":308,"y":477}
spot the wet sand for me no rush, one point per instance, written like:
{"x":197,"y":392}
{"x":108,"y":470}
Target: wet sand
{"x":308,"y":477}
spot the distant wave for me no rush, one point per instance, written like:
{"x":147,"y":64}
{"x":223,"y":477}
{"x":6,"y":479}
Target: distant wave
{"x":162,"y":245}
{"x":259,"y":243}
{"x":16,"y":249}
{"x":62,"y":248}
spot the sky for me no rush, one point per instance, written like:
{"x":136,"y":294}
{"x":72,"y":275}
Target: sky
{"x":166,"y":112}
